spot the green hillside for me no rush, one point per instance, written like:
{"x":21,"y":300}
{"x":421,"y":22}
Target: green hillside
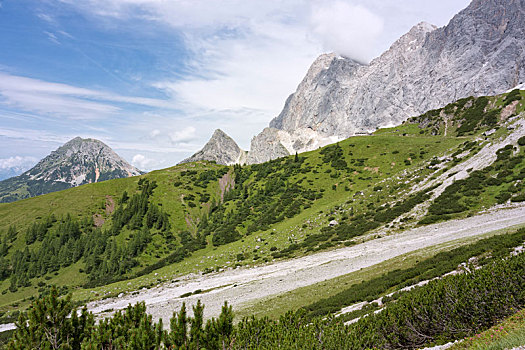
{"x":202,"y":217}
{"x":460,"y":307}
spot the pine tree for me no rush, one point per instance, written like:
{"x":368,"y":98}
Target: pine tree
{"x":4,"y":248}
{"x":47,"y":325}
{"x":179,"y":328}
{"x":11,"y":233}
{"x":196,"y":331}
{"x":225,"y":324}
{"x":124,"y":197}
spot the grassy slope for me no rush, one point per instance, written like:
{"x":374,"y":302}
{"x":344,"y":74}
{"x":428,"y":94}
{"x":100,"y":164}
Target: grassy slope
{"x":90,"y":199}
{"x":396,"y":159}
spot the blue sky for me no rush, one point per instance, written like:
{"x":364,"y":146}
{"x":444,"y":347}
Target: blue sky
{"x":153,"y":79}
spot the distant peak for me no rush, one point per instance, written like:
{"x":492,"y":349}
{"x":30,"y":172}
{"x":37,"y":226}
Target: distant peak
{"x":424,"y":27}
{"x":80,"y":139}
{"x":221,"y":149}
{"x":79,"y":161}
{"x":219,"y":133}
{"x":77,"y":141}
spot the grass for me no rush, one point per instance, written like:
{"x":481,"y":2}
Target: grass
{"x":508,"y":334}
{"x":380,"y":166}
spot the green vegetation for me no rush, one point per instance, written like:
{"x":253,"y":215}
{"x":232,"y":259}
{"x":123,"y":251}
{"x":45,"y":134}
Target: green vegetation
{"x":446,"y":309}
{"x":47,"y":325}
{"x":494,"y":184}
{"x":454,"y":307}
{"x":101,"y":233}
{"x":508,"y":334}
{"x":485,"y":251}
{"x":469,"y":115}
{"x":277,"y":305}
{"x":203,"y":217}
{"x":105,"y":259}
{"x":255,"y":207}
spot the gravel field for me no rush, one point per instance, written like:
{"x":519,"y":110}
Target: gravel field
{"x":245,"y":285}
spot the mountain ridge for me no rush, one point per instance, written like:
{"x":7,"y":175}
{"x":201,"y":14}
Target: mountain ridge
{"x":479,"y":52}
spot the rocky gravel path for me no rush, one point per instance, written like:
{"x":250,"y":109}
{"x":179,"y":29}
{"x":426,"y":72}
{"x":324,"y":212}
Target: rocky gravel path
{"x":245,"y":285}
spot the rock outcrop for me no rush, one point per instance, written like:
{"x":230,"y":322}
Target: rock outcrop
{"x":221,"y":149}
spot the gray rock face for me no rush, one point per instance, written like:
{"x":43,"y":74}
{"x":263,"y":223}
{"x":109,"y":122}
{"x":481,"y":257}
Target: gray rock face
{"x":81,"y":161}
{"x":77,"y":162}
{"x":480,"y":52}
{"x":267,"y":145}
{"x":221,"y":149}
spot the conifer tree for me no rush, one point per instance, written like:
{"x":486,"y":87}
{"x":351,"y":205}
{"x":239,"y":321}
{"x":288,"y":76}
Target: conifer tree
{"x":47,"y":325}
{"x":225,"y":324}
{"x":179,"y":329}
{"x":196,"y":331}
{"x":11,"y":233}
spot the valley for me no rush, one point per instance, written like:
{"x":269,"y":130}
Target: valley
{"x":383,"y":208}
{"x":274,"y":237}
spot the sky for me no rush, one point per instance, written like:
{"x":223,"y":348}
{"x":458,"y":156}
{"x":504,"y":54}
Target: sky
{"x":154,"y":78}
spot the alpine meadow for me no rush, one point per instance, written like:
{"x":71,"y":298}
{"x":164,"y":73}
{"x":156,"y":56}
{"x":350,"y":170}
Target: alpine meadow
{"x":383,"y":208}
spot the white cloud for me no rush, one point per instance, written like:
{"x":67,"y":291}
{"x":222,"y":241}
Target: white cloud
{"x":349,"y":30}
{"x":245,"y":58}
{"x":64,"y":100}
{"x":52,"y":37}
{"x":194,"y":14}
{"x":256,"y":71}
{"x":17,"y":162}
{"x":34,"y":135}
{"x":154,"y":133}
{"x":183,"y":135}
{"x":46,"y":18}
{"x":140,"y":161}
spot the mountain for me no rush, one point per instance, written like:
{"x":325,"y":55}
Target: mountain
{"x":221,"y":149}
{"x":183,"y":233}
{"x":77,"y":162}
{"x":480,"y":52}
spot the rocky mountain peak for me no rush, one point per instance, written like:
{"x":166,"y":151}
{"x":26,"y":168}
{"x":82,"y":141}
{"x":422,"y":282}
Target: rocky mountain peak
{"x":81,"y":156}
{"x":79,"y":144}
{"x":406,"y":45}
{"x":322,"y":63}
{"x":77,"y":162}
{"x":221,"y":149}
{"x":480,"y":52}
{"x":416,"y":35}
{"x":218,"y":134}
